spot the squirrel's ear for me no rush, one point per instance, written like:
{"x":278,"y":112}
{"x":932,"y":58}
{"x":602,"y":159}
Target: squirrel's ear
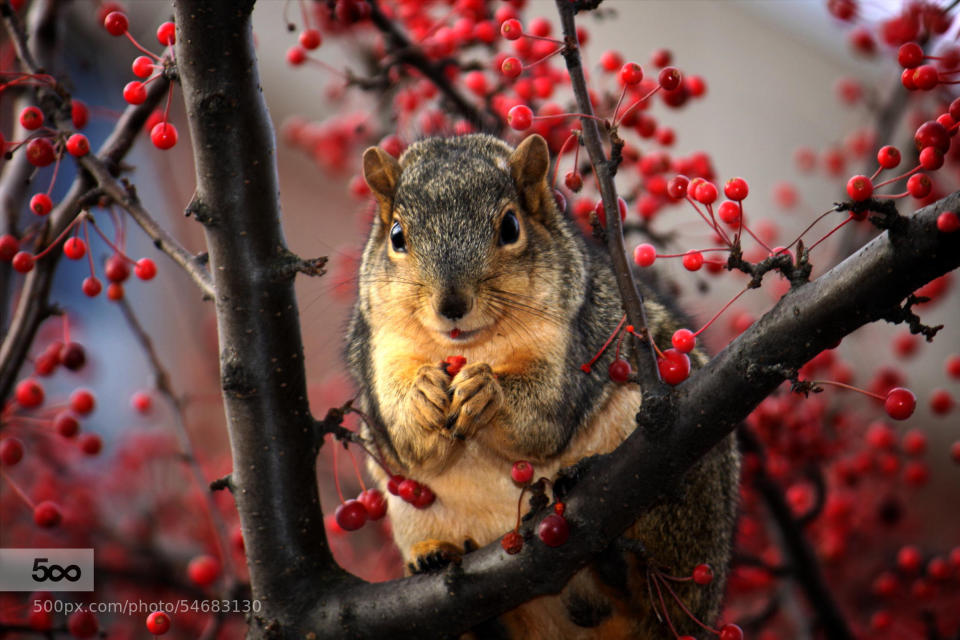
{"x":529,"y":165}
{"x":381,"y":172}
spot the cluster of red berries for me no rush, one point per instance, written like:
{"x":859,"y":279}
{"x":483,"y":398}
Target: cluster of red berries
{"x":149,"y":67}
{"x":372,"y":505}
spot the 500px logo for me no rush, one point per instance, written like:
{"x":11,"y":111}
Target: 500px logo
{"x":52,"y":569}
{"x":54,"y":572}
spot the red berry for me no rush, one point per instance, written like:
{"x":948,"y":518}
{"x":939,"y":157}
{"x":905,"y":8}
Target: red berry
{"x":683,"y":340}
{"x":702,"y":574}
{"x":393,"y":484}
{"x":910,"y":55}
{"x":310,"y":39}
{"x":941,"y":402}
{"x":91,"y":286}
{"x":29,"y":393}
{"x":142,"y":66}
{"x":203,"y":570}
{"x":142,"y":401}
{"x":409,"y":490}
{"x":116,"y":23}
{"x":47,"y":514}
{"x":114,"y":291}
{"x":40,"y":152}
{"x":425,"y":498}
{"x":932,"y":134}
{"x":914,"y":442}
{"x":645,"y":255}
{"x":41,"y":204}
{"x":553,"y":530}
{"x":859,"y":188}
{"x":82,"y":623}
{"x":948,"y":222}
{"x":900,"y":403}
{"x":73,"y":356}
{"x":520,"y":117}
{"x":9,"y":246}
{"x":729,"y":213}
{"x":31,"y":118}
{"x":736,"y":189}
{"x":909,"y":559}
{"x":134,"y":92}
{"x":919,"y":185}
{"x":23,"y":262}
{"x":512,"y":542}
{"x":116,"y":268}
{"x":573,"y":180}
{"x":706,"y":192}
{"x":145,"y":269}
{"x":619,"y":370}
{"x":669,"y":78}
{"x":78,"y":145}
{"x":66,"y":425}
{"x":11,"y":451}
{"x":925,"y":77}
{"x":674,"y":366}
{"x":888,"y":157}
{"x":511,"y":67}
{"x":163,"y":135}
{"x":511,"y":29}
{"x":90,"y":443}
{"x":82,"y":401}
{"x":158,"y":623}
{"x":74,"y":248}
{"x":521,"y":472}
{"x":692,"y":260}
{"x":611,"y":61}
{"x":731,"y":632}
{"x":630,"y":74}
{"x":602,"y":213}
{"x":351,"y":515}
{"x":454,"y":363}
{"x":79,"y":113}
{"x":296,"y":56}
{"x":677,"y":187}
{"x":167,"y":34}
{"x":374,"y":502}
{"x":931,"y":158}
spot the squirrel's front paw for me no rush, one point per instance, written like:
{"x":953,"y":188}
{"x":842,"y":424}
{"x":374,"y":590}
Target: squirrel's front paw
{"x":429,"y":399}
{"x":475,"y":398}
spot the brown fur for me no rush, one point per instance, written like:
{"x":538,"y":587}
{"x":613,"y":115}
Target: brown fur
{"x":534,"y":309}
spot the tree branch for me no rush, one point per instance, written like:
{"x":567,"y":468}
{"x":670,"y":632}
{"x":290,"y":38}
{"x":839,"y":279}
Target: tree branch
{"x":262,"y":361}
{"x":605,"y":168}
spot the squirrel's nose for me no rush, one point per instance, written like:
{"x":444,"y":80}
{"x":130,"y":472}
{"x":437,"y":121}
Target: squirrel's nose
{"x":453,"y":305}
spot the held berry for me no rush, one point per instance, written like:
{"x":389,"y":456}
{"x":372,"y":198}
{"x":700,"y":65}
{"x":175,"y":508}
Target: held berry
{"x":351,"y":515}
{"x":521,"y":472}
{"x":158,"y":623}
{"x":553,"y":530}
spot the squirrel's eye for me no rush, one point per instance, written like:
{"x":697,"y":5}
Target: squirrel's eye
{"x":396,"y":238}
{"x":509,"y":228}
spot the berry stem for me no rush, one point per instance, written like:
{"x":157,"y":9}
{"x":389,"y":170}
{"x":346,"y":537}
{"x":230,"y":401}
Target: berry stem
{"x":606,"y":344}
{"x":336,"y":472}
{"x":848,"y":387}
{"x":56,"y":170}
{"x":556,"y":166}
{"x":139,"y":46}
{"x":811,"y":225}
{"x":117,"y":249}
{"x":687,"y":611}
{"x":830,"y":233}
{"x":356,"y":469}
{"x":633,"y":106}
{"x":60,"y":237}
{"x":17,"y":490}
{"x":663,"y":605}
{"x":900,"y":177}
{"x":719,"y":313}
{"x":616,"y":109}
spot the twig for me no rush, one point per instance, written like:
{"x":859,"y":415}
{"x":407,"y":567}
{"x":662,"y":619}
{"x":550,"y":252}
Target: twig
{"x":162,"y":385}
{"x":408,"y":53}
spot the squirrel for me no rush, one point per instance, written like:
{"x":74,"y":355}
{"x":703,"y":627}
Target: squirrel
{"x":469,"y":255}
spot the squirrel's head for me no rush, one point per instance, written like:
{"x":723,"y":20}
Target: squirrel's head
{"x":468,"y":235}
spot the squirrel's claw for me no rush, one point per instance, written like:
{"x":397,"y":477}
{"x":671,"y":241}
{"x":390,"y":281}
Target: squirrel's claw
{"x":434,"y":555}
{"x":477,"y":398}
{"x":429,"y":401}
